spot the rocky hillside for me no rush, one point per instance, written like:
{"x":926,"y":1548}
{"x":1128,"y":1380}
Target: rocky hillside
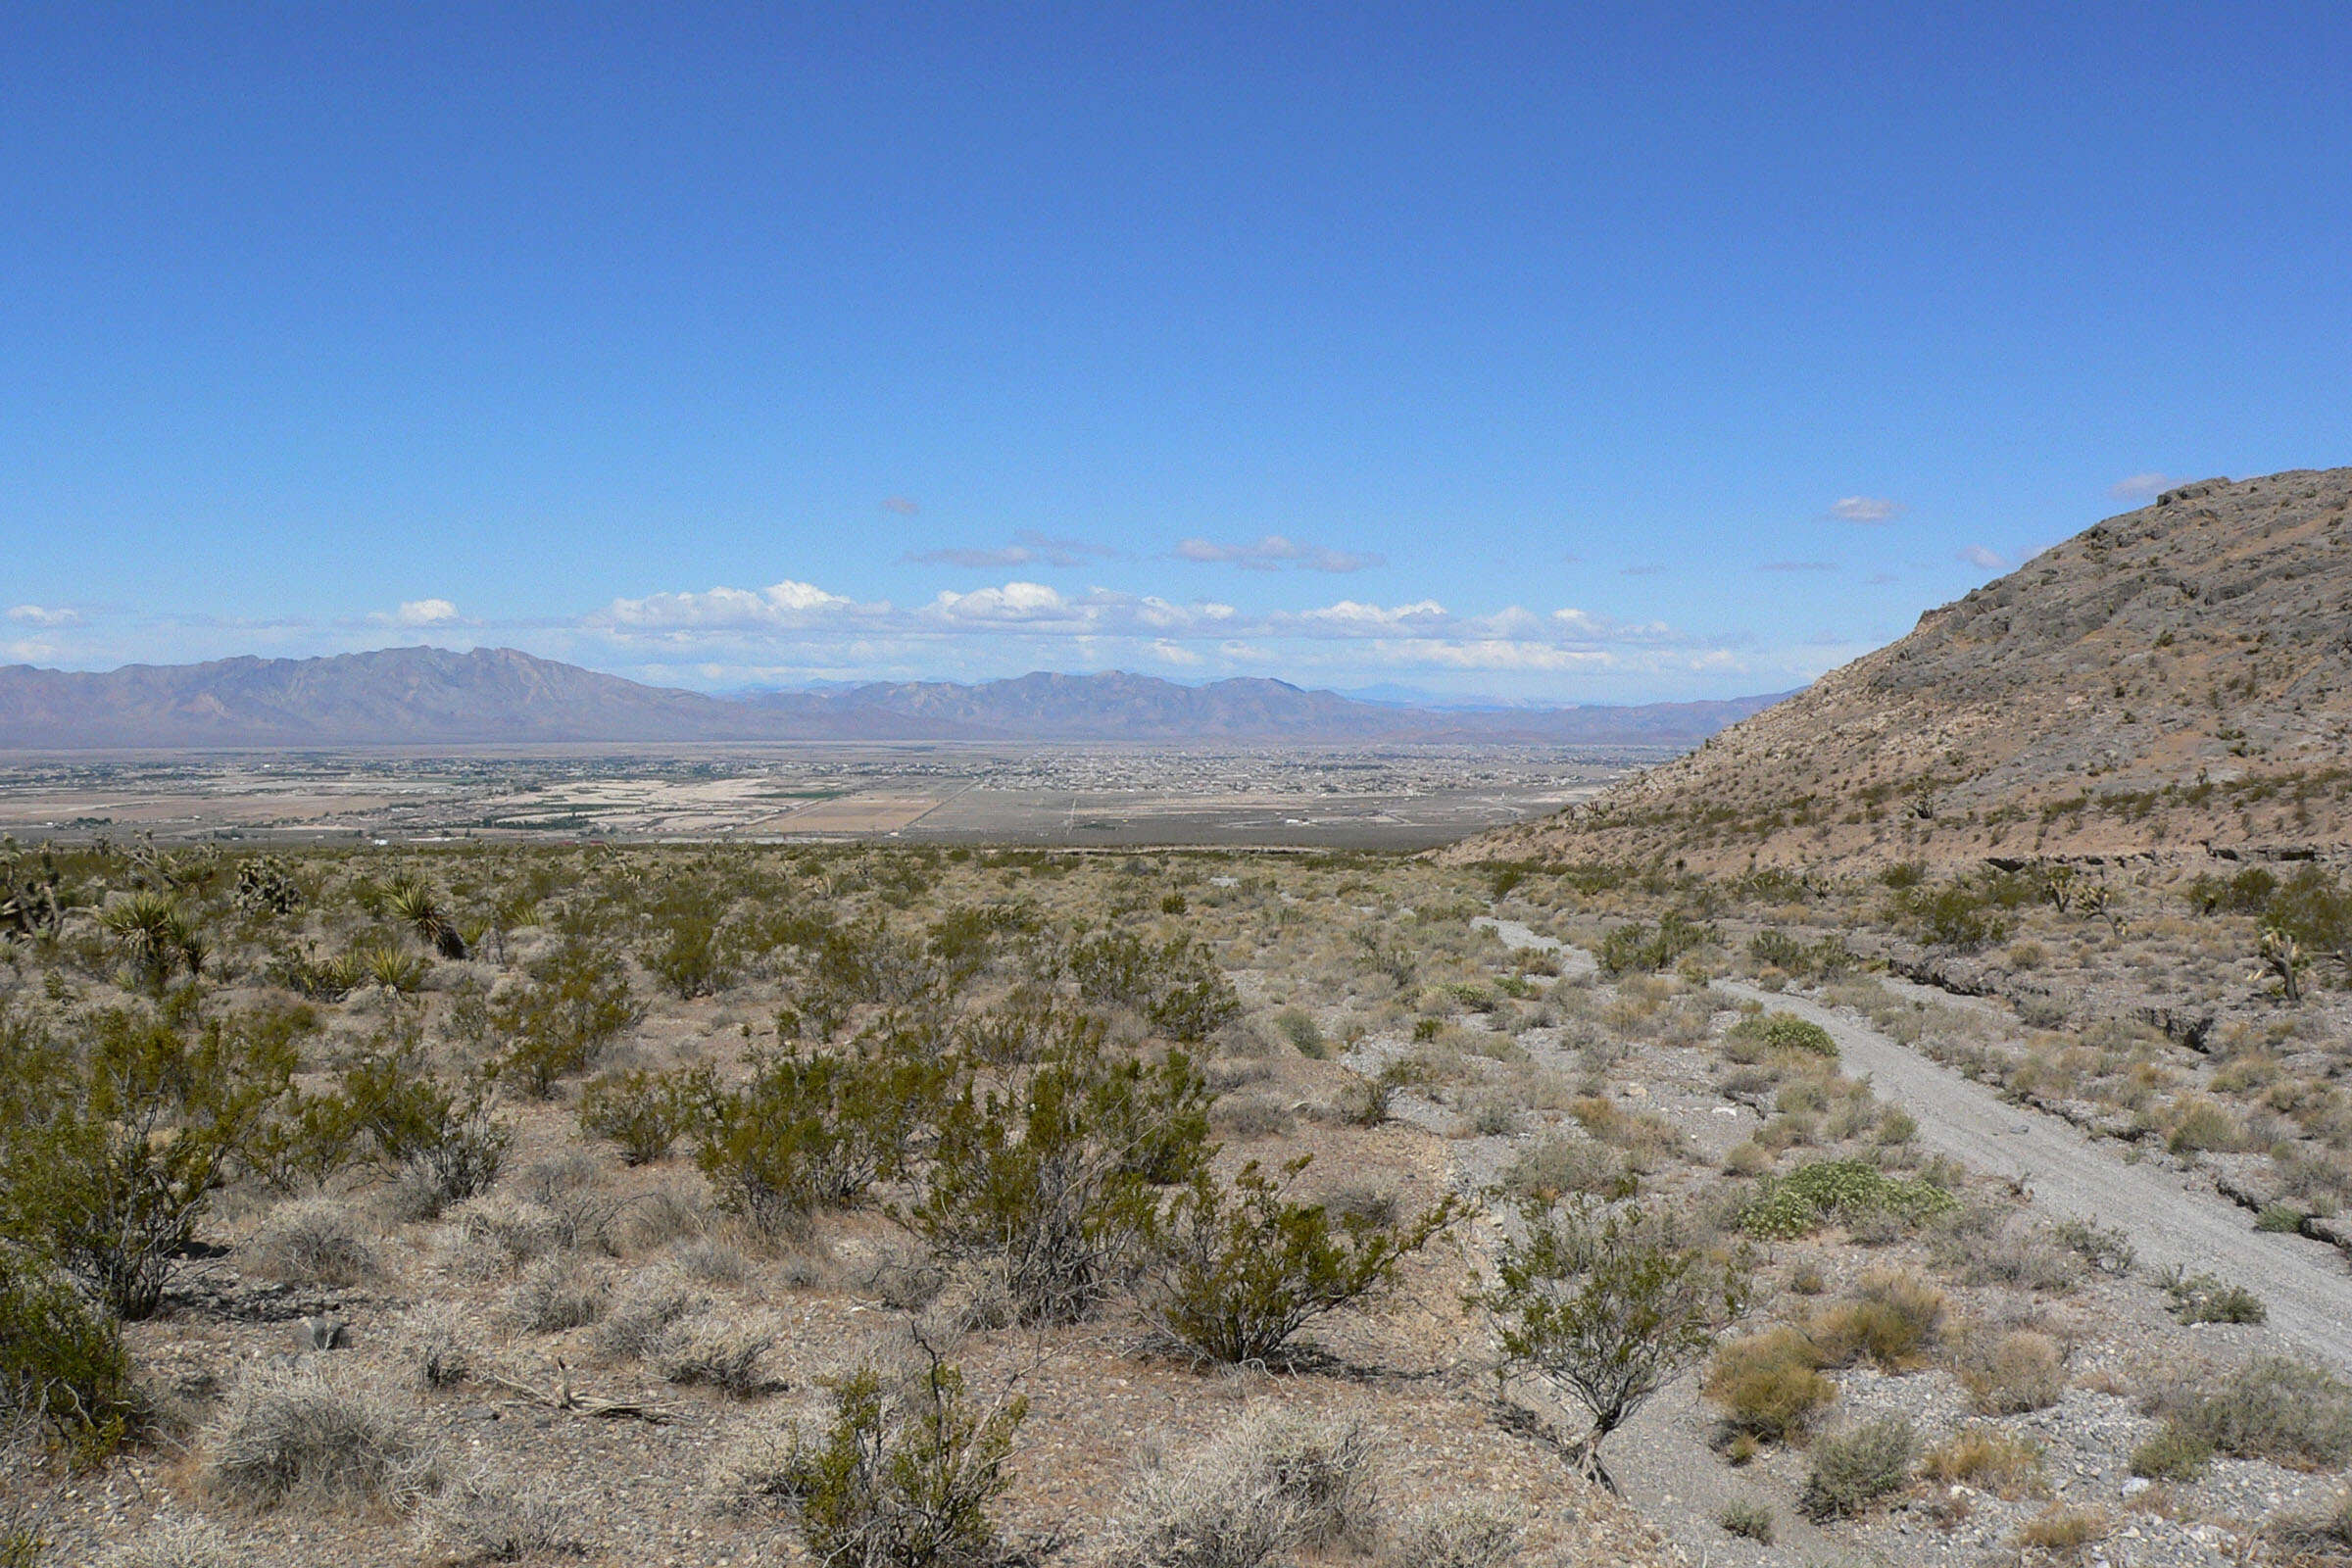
{"x":2175,"y":680}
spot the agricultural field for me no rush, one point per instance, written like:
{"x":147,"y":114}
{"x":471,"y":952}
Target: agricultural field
{"x":1398,"y":797}
{"x":740,"y":1204}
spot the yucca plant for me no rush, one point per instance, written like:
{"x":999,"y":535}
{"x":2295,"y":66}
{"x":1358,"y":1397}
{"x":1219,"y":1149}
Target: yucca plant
{"x":154,"y":935}
{"x":415,"y":904}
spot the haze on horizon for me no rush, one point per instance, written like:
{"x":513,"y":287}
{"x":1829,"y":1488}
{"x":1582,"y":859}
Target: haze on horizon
{"x":1597,"y":357}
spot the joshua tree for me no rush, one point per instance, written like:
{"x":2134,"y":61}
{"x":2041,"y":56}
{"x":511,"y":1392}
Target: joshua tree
{"x":2281,"y":960}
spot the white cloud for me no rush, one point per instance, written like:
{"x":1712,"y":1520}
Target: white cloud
{"x":1979,"y":556}
{"x":421,"y":612}
{"x":1170,"y":653}
{"x":44,"y":616}
{"x":779,"y":606}
{"x":1797,"y":565}
{"x":2141,"y":486}
{"x":1866,"y":509}
{"x":1273,"y":552}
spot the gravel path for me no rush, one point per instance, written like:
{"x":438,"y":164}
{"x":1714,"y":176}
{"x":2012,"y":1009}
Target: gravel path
{"x":2172,"y":1217}
{"x":1660,"y":1458}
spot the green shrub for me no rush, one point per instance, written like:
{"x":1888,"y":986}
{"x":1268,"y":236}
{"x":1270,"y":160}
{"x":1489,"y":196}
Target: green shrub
{"x":814,"y":1131}
{"x":694,"y":954}
{"x":1054,"y":1175}
{"x":1609,"y":1304}
{"x":392,"y":1112}
{"x":122,"y":1146}
{"x":1853,"y":1469}
{"x":2203,"y":1299}
{"x":902,"y":1477}
{"x":1785,"y":1031}
{"x":1246,"y":1268}
{"x":2271,"y":1408}
{"x":1749,"y":1519}
{"x":646,"y":1112}
{"x":1638,"y":949}
{"x":1175,"y":985}
{"x":2173,"y":1454}
{"x":575,"y":1004}
{"x":1798,"y":1204}
{"x":62,"y":1360}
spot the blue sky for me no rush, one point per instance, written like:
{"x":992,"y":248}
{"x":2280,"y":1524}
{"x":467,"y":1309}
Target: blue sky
{"x":1575,"y":353}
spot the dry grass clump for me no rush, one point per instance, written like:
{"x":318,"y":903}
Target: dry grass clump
{"x":1855,"y":1468}
{"x":1769,"y":1384}
{"x":1273,"y":1484}
{"x":2272,"y":1407}
{"x":1477,"y":1533}
{"x":1891,"y":1322}
{"x":430,"y":1342}
{"x":496,"y":1235}
{"x":482,"y":1520}
{"x":720,"y":1348}
{"x":1555,"y":1166}
{"x":304,"y":1435}
{"x":312,"y":1241}
{"x":637,"y":1320}
{"x":1988,"y":1459}
{"x":1980,"y":1245}
{"x":1248,"y":1116}
{"x":554,"y":1295}
{"x":2321,"y":1536}
{"x":716,"y":1262}
{"x":2063,"y":1531}
{"x":2013,"y":1373}
{"x":176,"y":1542}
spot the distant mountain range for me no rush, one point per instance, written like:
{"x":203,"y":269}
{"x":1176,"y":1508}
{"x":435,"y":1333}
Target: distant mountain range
{"x":498,"y":696}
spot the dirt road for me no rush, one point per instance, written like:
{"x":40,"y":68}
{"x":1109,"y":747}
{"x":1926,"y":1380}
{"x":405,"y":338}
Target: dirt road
{"x":1661,"y":1459}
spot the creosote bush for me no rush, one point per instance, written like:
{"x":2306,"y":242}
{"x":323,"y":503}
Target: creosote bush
{"x":1244,"y":1269}
{"x":646,"y":1112}
{"x":1609,"y":1304}
{"x":1054,"y":1176}
{"x":62,"y":1360}
{"x":903,"y":1474}
{"x":812,"y":1131}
